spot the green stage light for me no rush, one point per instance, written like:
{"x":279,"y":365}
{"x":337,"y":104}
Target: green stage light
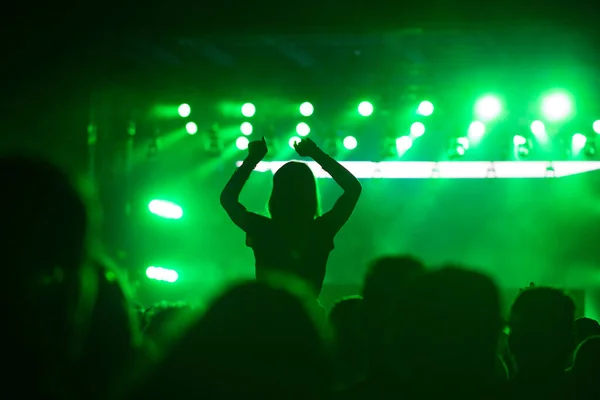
{"x":302,"y":129}
{"x":248,"y":110}
{"x":191,"y":128}
{"x":184,"y":110}
{"x":246,"y":128}
{"x":596,"y":126}
{"x":350,"y":142}
{"x":538,"y":128}
{"x":417,"y":129}
{"x":476,"y":130}
{"x":488,"y":108}
{"x":403,"y":144}
{"x":365,"y":108}
{"x":425,"y":108}
{"x":557,"y":106}
{"x":306,"y":109}
{"x":578,"y":141}
{"x":165,"y":209}
{"x":162,"y":274}
{"x":242,"y":143}
{"x":519,"y":140}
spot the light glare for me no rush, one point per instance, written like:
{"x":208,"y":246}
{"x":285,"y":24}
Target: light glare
{"x":557,"y":106}
{"x":191,"y":128}
{"x":350,"y":142}
{"x":246,"y":128}
{"x":248,"y":110}
{"x":476,"y":130}
{"x":306,"y":109}
{"x":184,"y":110}
{"x":302,"y":129}
{"x":403,"y":144}
{"x":365,"y":108}
{"x":242,"y":143}
{"x":488,"y":108}
{"x":425,"y":108}
{"x":417,"y":129}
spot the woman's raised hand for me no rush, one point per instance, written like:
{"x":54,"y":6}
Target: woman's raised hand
{"x":257,"y":150}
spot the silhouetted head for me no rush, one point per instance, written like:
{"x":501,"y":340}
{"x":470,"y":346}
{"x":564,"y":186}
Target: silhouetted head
{"x":113,"y":335}
{"x":450,"y":331}
{"x":385,"y":294}
{"x":584,"y":328}
{"x":586,"y":365}
{"x":386,"y":276}
{"x":294,"y":197}
{"x":541,"y":330}
{"x":346,"y":319}
{"x":346,"y":314}
{"x":164,"y":320}
{"x":44,"y":233}
{"x":44,"y":213}
{"x":260,"y":338}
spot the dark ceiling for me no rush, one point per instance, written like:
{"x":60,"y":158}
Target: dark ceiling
{"x":54,"y":54}
{"x":309,"y":61}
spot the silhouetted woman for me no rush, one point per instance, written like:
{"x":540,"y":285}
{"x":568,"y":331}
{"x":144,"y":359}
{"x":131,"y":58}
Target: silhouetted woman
{"x":295,"y":239}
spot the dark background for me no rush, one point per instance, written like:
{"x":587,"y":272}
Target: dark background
{"x":55,"y":54}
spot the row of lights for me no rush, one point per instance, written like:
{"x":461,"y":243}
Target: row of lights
{"x":306,"y":109}
{"x":555,"y":107}
{"x":364,"y":108}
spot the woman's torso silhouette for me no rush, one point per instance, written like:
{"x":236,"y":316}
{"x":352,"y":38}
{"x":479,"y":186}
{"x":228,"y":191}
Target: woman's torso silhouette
{"x":293,"y":240}
{"x":303,"y":251}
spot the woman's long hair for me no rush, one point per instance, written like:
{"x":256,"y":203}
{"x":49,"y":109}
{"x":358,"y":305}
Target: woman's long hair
{"x":294,"y":198}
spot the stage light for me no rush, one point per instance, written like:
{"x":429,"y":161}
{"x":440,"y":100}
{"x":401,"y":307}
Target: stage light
{"x":458,"y":147}
{"x":246,"y":128}
{"x":488,"y":108}
{"x":589,"y":150}
{"x":522,"y":152}
{"x":403,"y":144}
{"x":248,"y":110}
{"x":302,"y":129}
{"x":522,"y":146}
{"x":476,"y":130}
{"x":557,"y":106}
{"x":464,"y":142}
{"x":455,"y":151}
{"x":596,"y":126}
{"x":184,"y":110}
{"x":538,"y":128}
{"x":306,"y":109}
{"x":162,"y":274}
{"x":365,"y":108}
{"x":425,"y":108}
{"x":165,"y":209}
{"x":293,"y":141}
{"x":242,"y":143}
{"x":350,"y":142}
{"x":519,"y":140}
{"x":578,"y":141}
{"x":417,"y":129}
{"x":191,"y":128}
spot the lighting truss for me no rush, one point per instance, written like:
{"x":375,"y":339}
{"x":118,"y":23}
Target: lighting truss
{"x":449,"y":169}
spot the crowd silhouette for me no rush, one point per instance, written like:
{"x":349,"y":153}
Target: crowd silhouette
{"x":416,"y":331}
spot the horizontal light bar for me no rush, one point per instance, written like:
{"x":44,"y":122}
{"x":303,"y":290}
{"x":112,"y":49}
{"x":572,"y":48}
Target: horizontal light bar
{"x":449,"y":169}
